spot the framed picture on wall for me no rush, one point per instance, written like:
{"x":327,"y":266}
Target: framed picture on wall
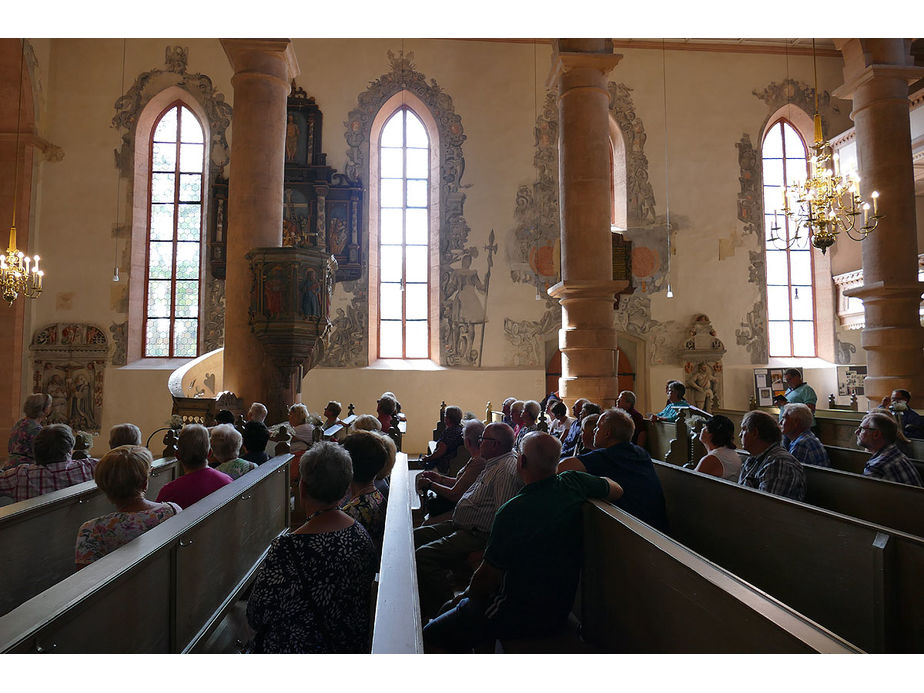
{"x":850,"y":380}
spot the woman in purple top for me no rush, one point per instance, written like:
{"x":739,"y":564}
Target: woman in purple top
{"x":36,"y":407}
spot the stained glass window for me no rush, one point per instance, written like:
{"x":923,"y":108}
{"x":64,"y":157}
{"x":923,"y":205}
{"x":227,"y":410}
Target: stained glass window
{"x":790,"y":285}
{"x":404,"y":234}
{"x":172,"y":285}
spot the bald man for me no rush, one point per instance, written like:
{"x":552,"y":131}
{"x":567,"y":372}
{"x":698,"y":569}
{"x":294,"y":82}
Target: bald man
{"x":527,"y":579}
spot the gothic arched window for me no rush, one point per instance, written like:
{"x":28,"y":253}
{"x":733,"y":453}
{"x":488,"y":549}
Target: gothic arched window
{"x":403,"y":209}
{"x":790,"y":285}
{"x":174,"y":239}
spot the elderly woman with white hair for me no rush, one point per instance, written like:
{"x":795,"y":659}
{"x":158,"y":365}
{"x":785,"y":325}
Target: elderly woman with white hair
{"x":36,"y":407}
{"x":313,"y":591}
{"x":225,"y":441}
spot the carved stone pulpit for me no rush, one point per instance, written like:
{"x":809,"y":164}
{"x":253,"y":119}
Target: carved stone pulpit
{"x":289,"y":312}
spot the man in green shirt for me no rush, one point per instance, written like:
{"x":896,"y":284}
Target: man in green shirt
{"x":526,"y":582}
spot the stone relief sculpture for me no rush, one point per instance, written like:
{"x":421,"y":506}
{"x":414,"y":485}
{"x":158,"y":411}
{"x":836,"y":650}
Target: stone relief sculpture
{"x":702,"y":364}
{"x":68,"y":363}
{"x":347,"y":327}
{"x":127,"y":109}
{"x":453,"y":231}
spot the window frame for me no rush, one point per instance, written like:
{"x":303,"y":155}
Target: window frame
{"x":179,"y":104}
{"x":784,"y":122}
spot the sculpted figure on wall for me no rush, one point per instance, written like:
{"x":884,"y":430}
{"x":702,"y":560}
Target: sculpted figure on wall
{"x":702,"y":352}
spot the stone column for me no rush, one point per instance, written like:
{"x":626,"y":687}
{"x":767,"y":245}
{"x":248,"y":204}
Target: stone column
{"x":876,"y":75}
{"x":587,"y":338}
{"x":263,"y":71}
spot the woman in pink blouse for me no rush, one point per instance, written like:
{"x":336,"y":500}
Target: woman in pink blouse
{"x":122,"y":474}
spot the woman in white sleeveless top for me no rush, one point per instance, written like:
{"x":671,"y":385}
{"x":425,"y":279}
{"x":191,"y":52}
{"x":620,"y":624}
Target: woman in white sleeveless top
{"x":721,"y":458}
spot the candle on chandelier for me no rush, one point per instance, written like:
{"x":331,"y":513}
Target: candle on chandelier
{"x":875,"y":197}
{"x":865,"y":213}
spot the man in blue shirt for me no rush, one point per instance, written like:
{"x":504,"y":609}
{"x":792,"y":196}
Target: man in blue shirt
{"x":676,"y":391}
{"x":877,"y":433}
{"x":798,"y":437}
{"x":912,"y":422}
{"x":799,"y":391}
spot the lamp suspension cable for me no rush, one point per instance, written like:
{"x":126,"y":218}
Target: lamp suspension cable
{"x":19,"y":273}
{"x":115,"y":258}
{"x":667,"y":182}
{"x":536,"y":125}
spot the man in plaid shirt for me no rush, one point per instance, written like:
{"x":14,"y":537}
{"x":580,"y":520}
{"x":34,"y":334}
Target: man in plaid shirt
{"x":53,"y":468}
{"x":803,"y":444}
{"x":877,"y":433}
{"x":769,"y":468}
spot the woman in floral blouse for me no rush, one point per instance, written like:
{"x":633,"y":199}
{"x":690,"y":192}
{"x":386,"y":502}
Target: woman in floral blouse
{"x":36,"y":407}
{"x":367,"y":504}
{"x":122,"y":474}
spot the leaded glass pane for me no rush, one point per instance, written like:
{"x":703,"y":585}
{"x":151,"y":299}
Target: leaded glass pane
{"x":392,"y":260}
{"x":162,"y":187}
{"x":773,"y":143}
{"x":803,"y":337}
{"x":161,"y":222}
{"x":187,"y":299}
{"x":392,"y":162}
{"x":417,"y":340}
{"x":187,"y":260}
{"x":391,"y":301}
{"x":800,"y":267}
{"x":189,"y":223}
{"x":777,"y":267}
{"x":163,"y":157}
{"x":157,"y":337}
{"x":166,"y":128}
{"x":773,"y":173}
{"x":191,"y":158}
{"x":185,"y":338}
{"x":190,"y":129}
{"x":191,"y":187}
{"x":779,"y":338}
{"x":392,"y":192}
{"x":160,"y":260}
{"x":417,"y":193}
{"x":393,"y":132}
{"x":416,"y":133}
{"x":390,"y":339}
{"x":773,"y":198}
{"x":159,"y":299}
{"x":391,"y":226}
{"x":417,"y":221}
{"x":803,"y":307}
{"x":415,"y":302}
{"x":418,"y":163}
{"x":793,"y":143}
{"x":778,"y":302}
{"x":418,"y":267}
{"x":796,"y":171}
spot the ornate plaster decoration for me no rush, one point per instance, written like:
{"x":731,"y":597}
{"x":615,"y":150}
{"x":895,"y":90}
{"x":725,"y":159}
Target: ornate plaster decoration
{"x":789,"y":91}
{"x":843,"y":350}
{"x":119,"y":332}
{"x":640,"y":198}
{"x":129,"y":106}
{"x":702,"y":353}
{"x":753,"y":334}
{"x":68,"y":363}
{"x":526,"y":338}
{"x":455,"y":340}
{"x":348,"y":328}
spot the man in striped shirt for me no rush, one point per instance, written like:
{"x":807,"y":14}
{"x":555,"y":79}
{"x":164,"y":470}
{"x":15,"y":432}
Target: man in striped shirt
{"x":797,"y":435}
{"x":443,"y":546}
{"x":877,"y":433}
{"x":53,"y":468}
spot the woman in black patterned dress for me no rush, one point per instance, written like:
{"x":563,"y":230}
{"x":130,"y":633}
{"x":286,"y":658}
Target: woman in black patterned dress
{"x":313,"y":590}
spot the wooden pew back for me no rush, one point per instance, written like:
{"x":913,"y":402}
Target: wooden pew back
{"x":840,"y":571}
{"x":888,"y":503}
{"x":397,"y":628}
{"x":643,"y":592}
{"x":164,"y":591}
{"x":37,"y":536}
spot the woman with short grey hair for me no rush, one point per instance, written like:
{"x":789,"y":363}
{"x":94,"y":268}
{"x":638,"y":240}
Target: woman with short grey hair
{"x":312,"y":593}
{"x":36,"y":407}
{"x":225,"y":441}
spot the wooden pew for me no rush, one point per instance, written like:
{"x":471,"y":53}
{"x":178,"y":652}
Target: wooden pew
{"x":888,"y":503}
{"x":858,"y":579}
{"x":853,"y":460}
{"x":37,"y":535}
{"x":675,"y":441}
{"x":397,"y":628}
{"x":165,"y":591}
{"x":643,"y":592}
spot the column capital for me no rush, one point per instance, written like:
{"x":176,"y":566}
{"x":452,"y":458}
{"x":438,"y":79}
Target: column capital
{"x":866,"y":75}
{"x":272,"y":57}
{"x":563,"y":63}
{"x":587,"y":288}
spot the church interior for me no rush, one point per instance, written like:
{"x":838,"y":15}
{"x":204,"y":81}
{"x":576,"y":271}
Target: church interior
{"x":631,"y":234}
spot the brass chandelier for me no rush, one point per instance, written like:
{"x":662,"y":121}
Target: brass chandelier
{"x":827,"y":202}
{"x":19,"y":273}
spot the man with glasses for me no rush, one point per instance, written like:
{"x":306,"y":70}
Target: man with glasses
{"x":769,"y":468}
{"x":900,"y":403}
{"x":877,"y":433}
{"x":446,"y":545}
